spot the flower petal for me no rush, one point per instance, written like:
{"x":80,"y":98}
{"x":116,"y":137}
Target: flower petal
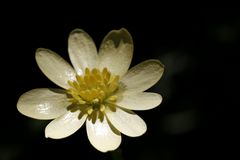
{"x":140,"y":101}
{"x":55,"y":67}
{"x":142,"y":76}
{"x":82,"y":51}
{"x":43,"y":103}
{"x":102,"y":135}
{"x":116,"y":51}
{"x":127,"y":122}
{"x":65,"y":125}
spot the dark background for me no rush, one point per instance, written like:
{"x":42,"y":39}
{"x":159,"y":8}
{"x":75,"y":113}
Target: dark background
{"x":199,"y":47}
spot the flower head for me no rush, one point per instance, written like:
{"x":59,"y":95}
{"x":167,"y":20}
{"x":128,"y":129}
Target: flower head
{"x":100,"y":90}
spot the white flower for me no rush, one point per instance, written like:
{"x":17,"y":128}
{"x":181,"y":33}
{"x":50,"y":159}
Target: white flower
{"x":101,"y":90}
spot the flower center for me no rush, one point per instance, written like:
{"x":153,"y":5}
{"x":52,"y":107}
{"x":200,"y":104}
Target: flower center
{"x":92,"y":92}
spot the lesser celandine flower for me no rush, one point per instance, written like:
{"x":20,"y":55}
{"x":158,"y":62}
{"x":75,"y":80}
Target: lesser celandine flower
{"x":99,"y":90}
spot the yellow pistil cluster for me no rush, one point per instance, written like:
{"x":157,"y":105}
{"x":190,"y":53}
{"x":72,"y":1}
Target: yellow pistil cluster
{"x":92,"y":92}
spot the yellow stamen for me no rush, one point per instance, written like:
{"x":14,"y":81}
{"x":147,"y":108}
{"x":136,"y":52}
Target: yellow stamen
{"x":93,"y":91}
{"x":89,"y":111}
{"x":95,"y":101}
{"x":112,"y":98}
{"x":102,"y":107}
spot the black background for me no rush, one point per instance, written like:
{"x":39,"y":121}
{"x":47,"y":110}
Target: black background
{"x":198,"y":46}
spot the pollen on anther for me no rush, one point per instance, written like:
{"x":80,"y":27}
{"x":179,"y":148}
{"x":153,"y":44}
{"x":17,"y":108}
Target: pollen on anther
{"x":89,"y":111}
{"x":102,"y":107}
